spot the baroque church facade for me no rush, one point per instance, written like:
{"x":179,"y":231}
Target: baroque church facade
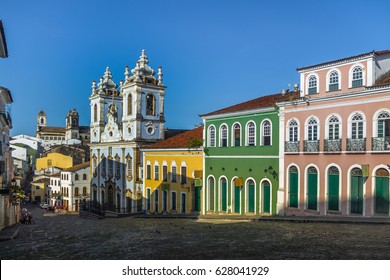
{"x":124,"y":119}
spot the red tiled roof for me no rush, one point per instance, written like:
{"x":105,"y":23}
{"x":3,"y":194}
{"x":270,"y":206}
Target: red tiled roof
{"x":77,"y":167}
{"x":260,"y":102}
{"x":52,"y":129}
{"x":179,"y":141}
{"x":344,"y":59}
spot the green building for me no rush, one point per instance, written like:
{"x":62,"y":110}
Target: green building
{"x":241,"y":168}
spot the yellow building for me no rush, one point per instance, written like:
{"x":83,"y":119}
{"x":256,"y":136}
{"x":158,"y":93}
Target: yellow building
{"x":54,"y":160}
{"x":173,"y":174}
{"x":39,"y":190}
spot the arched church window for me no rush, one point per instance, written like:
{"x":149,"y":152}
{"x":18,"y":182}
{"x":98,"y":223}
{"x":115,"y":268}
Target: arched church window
{"x":150,"y":105}
{"x":129,"y":105}
{"x":95,"y":113}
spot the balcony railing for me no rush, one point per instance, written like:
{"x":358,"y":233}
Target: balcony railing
{"x":311,"y":146}
{"x":291,"y":146}
{"x":356,"y":145}
{"x":381,"y":143}
{"x":332,"y":146}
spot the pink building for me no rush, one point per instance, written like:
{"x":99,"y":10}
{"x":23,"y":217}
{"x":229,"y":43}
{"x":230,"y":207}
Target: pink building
{"x":336,"y":152}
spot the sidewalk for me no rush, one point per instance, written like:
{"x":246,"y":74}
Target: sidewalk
{"x":10,"y":232}
{"x":297,"y":219}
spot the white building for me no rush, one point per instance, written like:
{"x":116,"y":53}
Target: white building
{"x":54,"y":190}
{"x":124,"y":119}
{"x":33,"y":142}
{"x":75,"y":186}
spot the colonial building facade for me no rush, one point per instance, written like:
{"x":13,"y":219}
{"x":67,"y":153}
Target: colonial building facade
{"x":173,"y":174}
{"x":124,"y":119}
{"x":337,"y":138}
{"x":241,"y":166}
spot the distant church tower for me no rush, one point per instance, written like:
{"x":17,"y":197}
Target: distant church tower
{"x":41,"y":119}
{"x":124,"y":118}
{"x":72,"y":128}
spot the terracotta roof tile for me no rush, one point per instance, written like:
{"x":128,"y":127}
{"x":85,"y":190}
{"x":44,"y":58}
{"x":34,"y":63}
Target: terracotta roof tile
{"x":77,"y":167}
{"x":179,"y":141}
{"x":257,"y":103}
{"x":52,"y":129}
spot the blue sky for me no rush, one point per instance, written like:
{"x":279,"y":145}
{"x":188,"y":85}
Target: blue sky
{"x":214,"y":54}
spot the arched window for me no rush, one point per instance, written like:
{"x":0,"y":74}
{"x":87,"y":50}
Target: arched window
{"x":236,"y":135}
{"x":211,"y":136}
{"x":333,"y":81}
{"x":84,"y":177}
{"x":384,"y":124}
{"x":266,"y":129}
{"x":334,"y":128}
{"x":85,"y":191}
{"x":357,"y":77}
{"x":95,"y":113}
{"x":312,"y":130}
{"x":76,"y":191}
{"x":129,"y":167}
{"x":312,"y":85}
{"x":104,"y":166}
{"x":250,"y":134}
{"x":150,"y":105}
{"x":223,"y":136}
{"x":76,"y":177}
{"x":357,"y":126}
{"x":293,"y":131}
{"x":129,"y":105}
{"x":110,"y":167}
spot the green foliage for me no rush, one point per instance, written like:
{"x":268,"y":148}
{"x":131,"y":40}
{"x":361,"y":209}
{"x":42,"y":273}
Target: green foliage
{"x":194,"y":143}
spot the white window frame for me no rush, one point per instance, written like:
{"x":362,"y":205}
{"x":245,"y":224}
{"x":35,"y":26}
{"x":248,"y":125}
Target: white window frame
{"x":262,"y":134}
{"x":247,"y":133}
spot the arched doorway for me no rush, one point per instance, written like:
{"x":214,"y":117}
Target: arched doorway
{"x":333,"y":188}
{"x":266,"y":197}
{"x":223,"y":192}
{"x":156,"y":201}
{"x":293,"y":183}
{"x":312,"y":188}
{"x":356,"y":191}
{"x":211,"y":193}
{"x":251,"y":196}
{"x":110,"y":197}
{"x":382,"y":191}
{"x":165,"y":200}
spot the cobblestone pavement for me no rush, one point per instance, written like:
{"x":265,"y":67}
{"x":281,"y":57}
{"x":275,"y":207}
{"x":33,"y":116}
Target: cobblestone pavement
{"x":71,"y":237}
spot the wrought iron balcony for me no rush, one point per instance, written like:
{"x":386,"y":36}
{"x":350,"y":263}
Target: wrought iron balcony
{"x":356,"y":145}
{"x":381,"y":143}
{"x":332,"y":146}
{"x":291,"y":146}
{"x":311,"y":146}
